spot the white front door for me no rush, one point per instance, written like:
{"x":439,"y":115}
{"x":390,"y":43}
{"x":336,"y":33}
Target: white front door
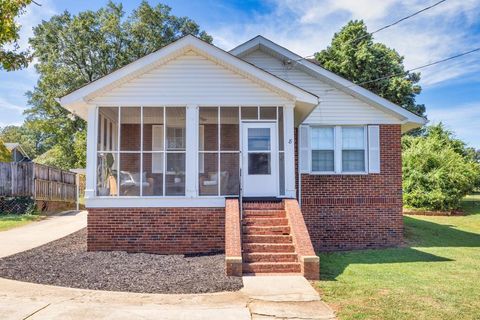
{"x":259,"y":159}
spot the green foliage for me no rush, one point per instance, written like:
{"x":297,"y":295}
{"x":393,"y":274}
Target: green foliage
{"x":10,"y":58}
{"x":55,"y":157}
{"x":355,"y":56}
{"x":438,"y":170}
{"x":5,"y":155}
{"x":30,"y":136}
{"x":73,"y":50}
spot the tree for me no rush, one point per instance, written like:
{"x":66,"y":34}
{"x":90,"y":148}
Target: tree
{"x":11,"y":58}
{"x":438,"y":170}
{"x":5,"y":155}
{"x":355,"y":56}
{"x":73,"y":50}
{"x":30,"y":136}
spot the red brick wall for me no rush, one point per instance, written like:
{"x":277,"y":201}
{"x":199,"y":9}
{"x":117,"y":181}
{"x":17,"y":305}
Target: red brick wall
{"x":344,"y":212}
{"x":157,"y":230}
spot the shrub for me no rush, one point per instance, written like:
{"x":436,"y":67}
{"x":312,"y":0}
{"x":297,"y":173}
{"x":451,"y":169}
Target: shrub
{"x":437,"y":170}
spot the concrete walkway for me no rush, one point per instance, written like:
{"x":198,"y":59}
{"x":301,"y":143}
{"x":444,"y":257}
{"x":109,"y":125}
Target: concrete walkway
{"x":38,"y":233}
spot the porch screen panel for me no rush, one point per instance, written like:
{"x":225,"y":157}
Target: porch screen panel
{"x":175,"y":145}
{"x":107,"y":151}
{"x":153,"y":151}
{"x":218,"y":160}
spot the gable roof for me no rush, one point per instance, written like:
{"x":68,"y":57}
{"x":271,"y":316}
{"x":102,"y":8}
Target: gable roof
{"x":13,"y":145}
{"x":77,"y":100}
{"x":409,"y":119}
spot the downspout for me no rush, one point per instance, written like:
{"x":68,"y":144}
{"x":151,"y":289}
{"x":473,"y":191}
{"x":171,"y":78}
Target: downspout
{"x":298,"y":168}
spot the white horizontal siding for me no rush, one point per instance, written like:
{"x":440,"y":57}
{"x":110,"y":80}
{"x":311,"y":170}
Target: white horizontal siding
{"x":336,"y":106}
{"x":189,"y":79}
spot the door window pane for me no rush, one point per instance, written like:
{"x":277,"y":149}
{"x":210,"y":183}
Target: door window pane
{"x":130,"y":129}
{"x":322,"y":160}
{"x":175,"y":175}
{"x":107,"y":174}
{"x":229,"y":174}
{"x":281,"y":172}
{"x":353,"y":160}
{"x":208,"y":174}
{"x":175,"y":128}
{"x":259,"y":163}
{"x":258,"y":139}
{"x":153,"y":129}
{"x":130,"y":174}
{"x":208,"y":137}
{"x":280,"y":129}
{"x":229,"y":129}
{"x":249,"y":113}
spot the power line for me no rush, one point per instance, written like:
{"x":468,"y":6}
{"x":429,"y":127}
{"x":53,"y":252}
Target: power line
{"x":420,"y":67}
{"x":387,"y":26}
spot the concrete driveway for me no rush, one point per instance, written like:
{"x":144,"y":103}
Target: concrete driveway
{"x":38,"y":233}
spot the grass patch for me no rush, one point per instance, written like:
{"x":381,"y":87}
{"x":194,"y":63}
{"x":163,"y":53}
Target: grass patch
{"x":434,"y":277}
{"x":9,"y":221}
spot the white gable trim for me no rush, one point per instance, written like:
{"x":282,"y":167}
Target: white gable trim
{"x":409,"y":119}
{"x":80,"y":97}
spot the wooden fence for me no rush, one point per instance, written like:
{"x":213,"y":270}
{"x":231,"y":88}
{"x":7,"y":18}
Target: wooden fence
{"x":37,"y":181}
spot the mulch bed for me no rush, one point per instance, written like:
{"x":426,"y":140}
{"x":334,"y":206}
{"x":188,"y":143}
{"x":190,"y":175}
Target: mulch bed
{"x":66,"y":262}
{"x":418,"y":212}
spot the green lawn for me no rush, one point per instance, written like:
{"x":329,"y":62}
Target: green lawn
{"x":9,"y":221}
{"x":436,"y":276}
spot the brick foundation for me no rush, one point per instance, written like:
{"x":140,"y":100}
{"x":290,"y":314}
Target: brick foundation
{"x":344,"y":212}
{"x":157,"y":230}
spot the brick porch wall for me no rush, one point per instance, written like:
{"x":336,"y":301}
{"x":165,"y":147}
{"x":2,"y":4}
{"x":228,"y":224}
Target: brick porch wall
{"x":157,"y":230}
{"x":345,"y":212}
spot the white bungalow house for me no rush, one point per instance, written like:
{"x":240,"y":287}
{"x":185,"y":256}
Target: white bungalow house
{"x":178,"y":134}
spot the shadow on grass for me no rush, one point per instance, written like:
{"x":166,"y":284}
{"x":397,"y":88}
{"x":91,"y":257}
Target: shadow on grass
{"x":418,"y":233}
{"x":333,"y":264}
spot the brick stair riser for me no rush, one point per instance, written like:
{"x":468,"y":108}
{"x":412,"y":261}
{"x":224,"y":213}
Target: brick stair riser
{"x":268,"y":247}
{"x":263,"y":206}
{"x":280,"y":230}
{"x":272,"y":268}
{"x":265,"y":222}
{"x":266,"y":239}
{"x":269,"y":257}
{"x":264,"y":214}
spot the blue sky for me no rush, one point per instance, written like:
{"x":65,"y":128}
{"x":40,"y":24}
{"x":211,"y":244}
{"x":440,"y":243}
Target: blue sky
{"x":451,"y":91}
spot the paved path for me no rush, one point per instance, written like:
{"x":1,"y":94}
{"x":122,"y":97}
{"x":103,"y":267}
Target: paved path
{"x":38,"y":233}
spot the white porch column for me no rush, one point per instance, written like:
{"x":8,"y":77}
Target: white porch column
{"x":91,"y":152}
{"x":289,"y":130}
{"x":191,"y":165}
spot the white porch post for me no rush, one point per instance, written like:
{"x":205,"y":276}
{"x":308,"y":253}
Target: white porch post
{"x":191,"y":165}
{"x":289,"y":129}
{"x":91,"y":152}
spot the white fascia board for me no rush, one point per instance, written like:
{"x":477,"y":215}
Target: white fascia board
{"x":337,"y":81}
{"x":188,"y":42}
{"x":150,"y":202}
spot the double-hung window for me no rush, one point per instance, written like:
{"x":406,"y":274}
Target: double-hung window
{"x":336,"y":149}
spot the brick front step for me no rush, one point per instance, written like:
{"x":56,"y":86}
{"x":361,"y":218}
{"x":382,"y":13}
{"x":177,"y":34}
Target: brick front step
{"x":271,"y":267}
{"x":268,"y":247}
{"x":263,"y":205}
{"x":267,"y":230}
{"x":265,"y":222}
{"x":270,"y":257}
{"x":264,"y":214}
{"x":249,"y":238}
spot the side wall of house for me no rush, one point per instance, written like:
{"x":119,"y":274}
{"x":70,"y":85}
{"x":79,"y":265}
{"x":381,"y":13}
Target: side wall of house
{"x":157,"y":230}
{"x":345,"y":212}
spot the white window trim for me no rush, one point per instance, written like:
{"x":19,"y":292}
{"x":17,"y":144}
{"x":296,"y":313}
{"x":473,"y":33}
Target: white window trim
{"x":337,"y":136}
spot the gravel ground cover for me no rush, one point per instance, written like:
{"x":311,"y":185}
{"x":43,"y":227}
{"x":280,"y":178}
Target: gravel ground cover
{"x":66,"y":262}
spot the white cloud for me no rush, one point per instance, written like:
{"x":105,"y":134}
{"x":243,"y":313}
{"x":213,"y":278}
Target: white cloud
{"x":6,"y":106}
{"x":307,"y":26}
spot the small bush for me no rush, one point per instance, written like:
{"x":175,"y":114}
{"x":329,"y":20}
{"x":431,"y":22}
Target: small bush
{"x":437,"y":170}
